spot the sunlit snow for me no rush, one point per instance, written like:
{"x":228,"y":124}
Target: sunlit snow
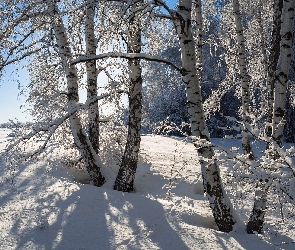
{"x":46,"y":207}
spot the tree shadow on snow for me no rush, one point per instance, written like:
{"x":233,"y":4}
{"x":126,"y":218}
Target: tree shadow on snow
{"x":246,"y":241}
{"x":138,"y":222}
{"x":56,"y":214}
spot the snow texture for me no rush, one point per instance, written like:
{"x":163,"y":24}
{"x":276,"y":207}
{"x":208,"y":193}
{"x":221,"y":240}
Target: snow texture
{"x":45,"y":209}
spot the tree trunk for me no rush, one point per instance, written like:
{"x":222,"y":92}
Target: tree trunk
{"x":199,"y":42}
{"x":219,"y":204}
{"x":92,"y":72}
{"x":256,"y":220}
{"x":289,"y":128}
{"x":282,"y":71}
{"x":244,"y":78}
{"x":273,"y":61}
{"x":91,"y":159}
{"x":125,"y":178}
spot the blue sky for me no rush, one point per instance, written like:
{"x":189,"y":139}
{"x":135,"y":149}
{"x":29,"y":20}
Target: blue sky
{"x":10,"y":99}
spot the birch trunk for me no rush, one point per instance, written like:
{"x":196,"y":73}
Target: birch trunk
{"x":220,"y":206}
{"x":82,"y":142}
{"x":273,"y":61}
{"x":289,"y":128}
{"x":126,"y":175}
{"x":199,"y":43}
{"x":92,"y":72}
{"x":244,"y":78}
{"x":282,"y":71}
{"x":256,"y":220}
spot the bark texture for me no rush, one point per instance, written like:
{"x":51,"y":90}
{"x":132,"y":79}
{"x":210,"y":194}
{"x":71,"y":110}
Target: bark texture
{"x":289,"y":128}
{"x":244,"y":78}
{"x":273,"y":60}
{"x":282,"y":71}
{"x":220,"y":206}
{"x":82,"y":142}
{"x":92,"y":72}
{"x":199,"y":40}
{"x":256,"y":220}
{"x":126,"y":175}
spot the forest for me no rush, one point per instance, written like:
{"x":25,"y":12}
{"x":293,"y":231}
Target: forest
{"x":195,"y":70}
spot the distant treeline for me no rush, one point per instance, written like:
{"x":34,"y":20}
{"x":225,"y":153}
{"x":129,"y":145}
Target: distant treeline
{"x":12,"y":124}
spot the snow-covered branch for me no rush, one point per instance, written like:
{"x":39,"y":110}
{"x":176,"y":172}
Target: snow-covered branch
{"x":55,"y":124}
{"x":23,"y":56}
{"x":128,"y":56}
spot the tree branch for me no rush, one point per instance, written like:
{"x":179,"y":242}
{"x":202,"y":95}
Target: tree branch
{"x":128,"y":56}
{"x":55,"y":124}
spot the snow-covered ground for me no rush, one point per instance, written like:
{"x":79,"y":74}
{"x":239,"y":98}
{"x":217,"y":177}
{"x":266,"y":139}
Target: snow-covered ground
{"x":45,"y":209}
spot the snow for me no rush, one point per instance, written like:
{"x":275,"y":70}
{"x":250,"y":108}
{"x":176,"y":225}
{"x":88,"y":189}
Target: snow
{"x":44,"y":208}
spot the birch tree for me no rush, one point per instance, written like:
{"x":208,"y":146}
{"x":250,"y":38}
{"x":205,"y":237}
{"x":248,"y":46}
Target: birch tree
{"x":256,"y":220}
{"x":126,"y":175}
{"x":92,"y":73}
{"x":199,"y":37}
{"x":282,"y":71}
{"x":91,"y":159}
{"x":273,"y":60}
{"x":181,"y":18}
{"x":244,"y":78}
{"x":219,"y":204}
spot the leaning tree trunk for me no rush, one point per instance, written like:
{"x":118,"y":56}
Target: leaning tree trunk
{"x":92,"y":72}
{"x":219,"y":203}
{"x":125,"y":178}
{"x":273,"y":61}
{"x":256,"y":220}
{"x":82,"y":142}
{"x":244,"y":78}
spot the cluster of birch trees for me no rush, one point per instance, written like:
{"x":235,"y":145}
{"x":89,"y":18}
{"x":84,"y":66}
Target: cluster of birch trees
{"x":68,"y":44}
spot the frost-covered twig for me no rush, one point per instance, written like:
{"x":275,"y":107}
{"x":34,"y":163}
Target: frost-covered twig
{"x":54,"y":124}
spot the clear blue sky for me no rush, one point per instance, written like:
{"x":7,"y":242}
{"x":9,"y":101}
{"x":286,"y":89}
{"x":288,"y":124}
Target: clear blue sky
{"x":10,"y":99}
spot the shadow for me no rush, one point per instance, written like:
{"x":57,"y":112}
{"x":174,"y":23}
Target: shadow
{"x":247,"y":240}
{"x":53,"y":213}
{"x":138,"y":222}
{"x":50,"y":213}
{"x":46,"y":212}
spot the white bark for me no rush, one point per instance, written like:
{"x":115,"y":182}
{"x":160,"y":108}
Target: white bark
{"x":82,"y":142}
{"x":244,"y":77}
{"x":220,"y":206}
{"x":256,"y":220}
{"x":125,"y":178}
{"x":283,"y":67}
{"x":92,"y":72}
{"x":273,"y":60}
{"x":199,"y":42}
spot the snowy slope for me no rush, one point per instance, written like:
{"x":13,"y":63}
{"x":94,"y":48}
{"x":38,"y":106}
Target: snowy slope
{"x":42,"y":210}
